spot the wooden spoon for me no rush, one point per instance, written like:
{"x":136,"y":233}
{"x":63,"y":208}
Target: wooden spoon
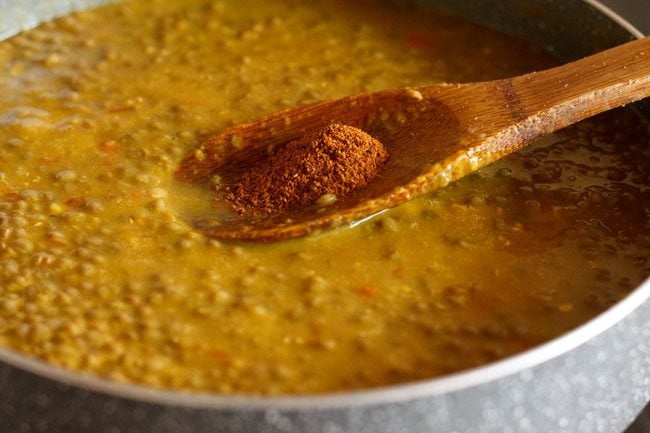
{"x":434,"y":135}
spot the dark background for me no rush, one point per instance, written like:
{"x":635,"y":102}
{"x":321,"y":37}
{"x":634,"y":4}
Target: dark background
{"x":635,"y":11}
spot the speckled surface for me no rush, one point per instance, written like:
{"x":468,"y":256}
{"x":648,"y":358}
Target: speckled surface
{"x":598,"y":386}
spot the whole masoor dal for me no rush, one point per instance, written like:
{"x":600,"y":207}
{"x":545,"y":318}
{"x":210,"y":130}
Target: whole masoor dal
{"x":101,"y":271}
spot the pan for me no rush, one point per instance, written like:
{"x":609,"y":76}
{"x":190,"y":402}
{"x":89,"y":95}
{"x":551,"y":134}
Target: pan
{"x":595,"y":378}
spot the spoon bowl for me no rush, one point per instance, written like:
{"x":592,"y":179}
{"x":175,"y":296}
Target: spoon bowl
{"x":434,"y":135}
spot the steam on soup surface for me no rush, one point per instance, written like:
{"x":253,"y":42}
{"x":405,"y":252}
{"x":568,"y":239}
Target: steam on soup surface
{"x":101,"y":271}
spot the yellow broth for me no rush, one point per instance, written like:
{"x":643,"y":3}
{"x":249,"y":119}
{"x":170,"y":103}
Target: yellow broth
{"x":101,"y":271}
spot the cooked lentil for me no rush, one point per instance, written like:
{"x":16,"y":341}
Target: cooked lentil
{"x":100,"y":270}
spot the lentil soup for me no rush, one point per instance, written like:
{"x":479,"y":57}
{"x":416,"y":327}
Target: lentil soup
{"x":101,"y":271}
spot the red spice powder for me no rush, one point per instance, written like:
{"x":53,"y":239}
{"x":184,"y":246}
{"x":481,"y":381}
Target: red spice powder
{"x":336,"y":160}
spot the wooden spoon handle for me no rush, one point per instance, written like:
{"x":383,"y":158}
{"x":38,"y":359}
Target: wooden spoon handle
{"x":493,"y":119}
{"x":499,"y":117}
{"x":583,"y":88}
